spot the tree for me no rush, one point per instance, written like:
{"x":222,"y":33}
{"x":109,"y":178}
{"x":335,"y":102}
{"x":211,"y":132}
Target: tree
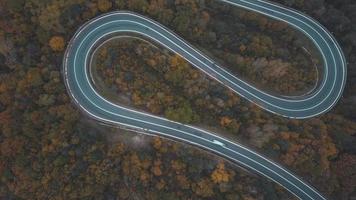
{"x":56,"y":43}
{"x":183,"y":114}
{"x":137,"y":5}
{"x":156,"y":168}
{"x":104,"y":5}
{"x":203,"y":188}
{"x":220,"y":175}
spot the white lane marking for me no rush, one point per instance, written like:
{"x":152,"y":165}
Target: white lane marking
{"x":309,"y":37}
{"x":100,"y":96}
{"x":143,"y":113}
{"x":184,"y":132}
{"x":134,"y":128}
{"x":273,"y":105}
{"x":332,"y":39}
{"x":214,"y":70}
{"x":280,"y":19}
{"x":209,"y":60}
{"x":144,"y":18}
{"x":299,"y":28}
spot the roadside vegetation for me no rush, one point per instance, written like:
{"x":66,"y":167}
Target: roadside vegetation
{"x":50,"y":150}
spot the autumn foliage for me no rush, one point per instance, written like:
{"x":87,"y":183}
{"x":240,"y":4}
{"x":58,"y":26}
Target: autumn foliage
{"x":56,"y":43}
{"x":49,"y":149}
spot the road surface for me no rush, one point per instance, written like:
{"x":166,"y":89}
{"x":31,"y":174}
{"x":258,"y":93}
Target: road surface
{"x":77,"y":79}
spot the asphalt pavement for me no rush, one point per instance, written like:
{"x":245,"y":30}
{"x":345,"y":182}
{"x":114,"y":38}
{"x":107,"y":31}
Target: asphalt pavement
{"x":78,"y":82}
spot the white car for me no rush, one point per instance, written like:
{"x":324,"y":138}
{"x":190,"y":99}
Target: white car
{"x":218,"y":143}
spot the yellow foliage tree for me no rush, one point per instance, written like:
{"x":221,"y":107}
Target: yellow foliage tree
{"x":225,"y":121}
{"x":104,"y":5}
{"x":203,"y":188}
{"x":178,"y":166}
{"x":157,"y":143}
{"x":183,"y":181}
{"x":156,"y":169}
{"x":56,"y":43}
{"x":220,"y":175}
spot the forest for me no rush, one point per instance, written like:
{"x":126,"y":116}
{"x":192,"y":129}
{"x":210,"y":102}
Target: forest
{"x":50,"y":150}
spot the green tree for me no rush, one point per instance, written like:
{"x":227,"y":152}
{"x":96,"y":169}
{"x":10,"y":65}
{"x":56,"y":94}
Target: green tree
{"x":182,"y":113}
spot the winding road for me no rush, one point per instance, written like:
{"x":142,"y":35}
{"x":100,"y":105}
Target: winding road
{"x":78,"y":82}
